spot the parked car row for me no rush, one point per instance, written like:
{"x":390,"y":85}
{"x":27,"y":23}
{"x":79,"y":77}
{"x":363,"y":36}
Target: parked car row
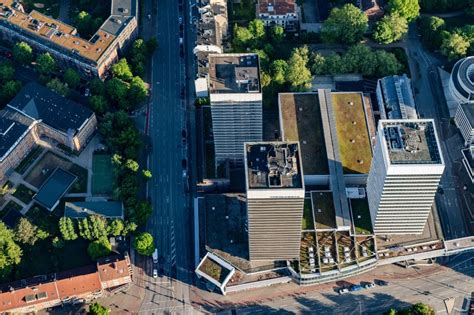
{"x":362,"y":286}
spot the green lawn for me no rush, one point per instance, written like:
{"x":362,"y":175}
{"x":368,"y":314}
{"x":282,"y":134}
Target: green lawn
{"x":24,"y":194}
{"x":102,"y":174}
{"x":308,"y":223}
{"x":29,"y":159}
{"x":361,"y":216}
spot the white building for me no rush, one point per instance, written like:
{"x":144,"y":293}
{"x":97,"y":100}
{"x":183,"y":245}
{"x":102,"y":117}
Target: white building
{"x":395,"y":98}
{"x":278,"y":12}
{"x":236,"y":104}
{"x":275,"y":199}
{"x":461,"y":82}
{"x":464,"y":120}
{"x":404,"y":176}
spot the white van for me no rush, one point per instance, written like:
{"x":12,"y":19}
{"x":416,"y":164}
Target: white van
{"x":155,"y":256}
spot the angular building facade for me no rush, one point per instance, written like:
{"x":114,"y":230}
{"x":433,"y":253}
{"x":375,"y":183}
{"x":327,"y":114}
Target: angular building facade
{"x":236,"y":104}
{"x":275,"y":200}
{"x":404,"y":176}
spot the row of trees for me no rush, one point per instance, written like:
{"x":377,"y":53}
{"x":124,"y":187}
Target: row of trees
{"x":416,"y":309}
{"x":447,"y":5}
{"x":10,"y":251}
{"x":453,"y":43}
{"x":8,"y":86}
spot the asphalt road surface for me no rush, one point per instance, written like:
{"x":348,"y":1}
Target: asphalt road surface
{"x":170,"y":223}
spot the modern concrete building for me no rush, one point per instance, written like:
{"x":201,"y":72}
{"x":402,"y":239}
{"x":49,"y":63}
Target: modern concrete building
{"x":275,"y":199}
{"x":236,"y":104}
{"x":404,"y":175}
{"x":395,"y":98}
{"x":35,"y":114}
{"x":461,"y":82}
{"x":278,"y":12}
{"x":464,"y":120}
{"x":91,"y":57}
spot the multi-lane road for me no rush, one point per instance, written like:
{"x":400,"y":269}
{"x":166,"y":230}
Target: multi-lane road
{"x":170,"y":223}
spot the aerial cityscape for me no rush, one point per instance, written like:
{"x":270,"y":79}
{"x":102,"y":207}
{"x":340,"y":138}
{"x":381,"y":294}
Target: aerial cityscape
{"x":237,"y":157}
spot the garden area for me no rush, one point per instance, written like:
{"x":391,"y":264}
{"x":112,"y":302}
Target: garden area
{"x":214,"y":270}
{"x":103,"y":177}
{"x":23,"y":194}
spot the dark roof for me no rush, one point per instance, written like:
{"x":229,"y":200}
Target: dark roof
{"x":108,"y":209}
{"x":12,"y":127}
{"x":54,"y":188}
{"x":54,"y":110}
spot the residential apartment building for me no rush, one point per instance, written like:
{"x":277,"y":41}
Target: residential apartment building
{"x":236,"y":104}
{"x":404,"y":176}
{"x":35,"y":114}
{"x":395,"y":98}
{"x":461,"y":81}
{"x":275,"y":199}
{"x":464,"y":120}
{"x":278,"y":12}
{"x":91,"y":57}
{"x":68,"y":287}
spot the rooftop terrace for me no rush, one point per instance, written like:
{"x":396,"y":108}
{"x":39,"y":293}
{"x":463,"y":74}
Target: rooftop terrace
{"x":352,"y":132}
{"x":234,"y":73}
{"x":301,"y":121}
{"x":273,"y":165}
{"x":413,"y":142}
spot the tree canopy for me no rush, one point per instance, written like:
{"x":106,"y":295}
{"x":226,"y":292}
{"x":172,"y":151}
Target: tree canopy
{"x":10,"y":252}
{"x":98,"y":248}
{"x":67,"y":229}
{"x":144,"y":244}
{"x":346,"y":25}
{"x":45,"y":64}
{"x":97,"y":309}
{"x":454,"y":46}
{"x":6,"y":71}
{"x":121,"y":70}
{"x":390,"y":28}
{"x":298,"y":75}
{"x":23,"y":53}
{"x":72,"y":78}
{"x":409,"y":9}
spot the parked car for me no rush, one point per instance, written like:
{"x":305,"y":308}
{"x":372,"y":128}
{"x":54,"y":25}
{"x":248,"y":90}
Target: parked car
{"x":381,"y":282}
{"x":355,"y":287}
{"x":343,"y":290}
{"x":368,"y":285}
{"x":155,"y":273}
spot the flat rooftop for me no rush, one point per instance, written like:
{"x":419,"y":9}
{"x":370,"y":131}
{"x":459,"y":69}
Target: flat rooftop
{"x":352,"y":132}
{"x":234,"y":73}
{"x":413,"y":142}
{"x":54,"y":188}
{"x":300,"y":116}
{"x":273,"y":165}
{"x":398,"y":97}
{"x":40,"y":103}
{"x":323,"y":208}
{"x":12,"y":127}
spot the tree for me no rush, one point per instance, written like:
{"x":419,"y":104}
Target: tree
{"x":97,"y":86}
{"x":390,"y":28}
{"x":144,"y":244}
{"x":25,"y":232}
{"x":390,"y":312}
{"x":10,"y":252}
{"x":86,"y":25}
{"x":386,"y":64}
{"x":23,"y":53}
{"x":151,"y":45}
{"x":345,"y":25}
{"x":98,"y":226}
{"x":121,"y":70}
{"x":132,"y":165}
{"x":97,"y":309}
{"x":360,"y":59}
{"x":242,"y":36}
{"x":99,"y":248}
{"x":117,"y":91}
{"x":115,"y":227}
{"x":137,"y":90}
{"x":72,"y":78}
{"x":298,"y":74}
{"x":130,"y":227}
{"x":257,"y":29}
{"x":57,"y":242}
{"x":265,"y":79}
{"x":318,"y":63}
{"x":45,"y":64}
{"x":334,"y":64}
{"x":99,"y":104}
{"x":409,"y":9}
{"x":6,"y":71}
{"x":278,"y":70}
{"x":67,"y":229}
{"x":422,"y":309}
{"x":431,"y":28}
{"x":146,"y":174}
{"x":9,"y":90}
{"x":141,"y":212}
{"x":117,"y":159}
{"x":57,"y":86}
{"x":454,"y":46}
{"x":277,"y":33}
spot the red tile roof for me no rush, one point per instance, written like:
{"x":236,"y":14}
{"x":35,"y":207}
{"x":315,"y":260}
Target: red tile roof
{"x":280,"y":7}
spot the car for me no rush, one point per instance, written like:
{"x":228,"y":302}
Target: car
{"x":368,"y":285}
{"x":380,"y":282}
{"x":180,"y":20}
{"x":343,"y":290}
{"x":185,"y":174}
{"x":155,"y":273}
{"x":184,"y":163}
{"x":87,"y":92}
{"x":155,"y":256}
{"x":355,"y":287}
